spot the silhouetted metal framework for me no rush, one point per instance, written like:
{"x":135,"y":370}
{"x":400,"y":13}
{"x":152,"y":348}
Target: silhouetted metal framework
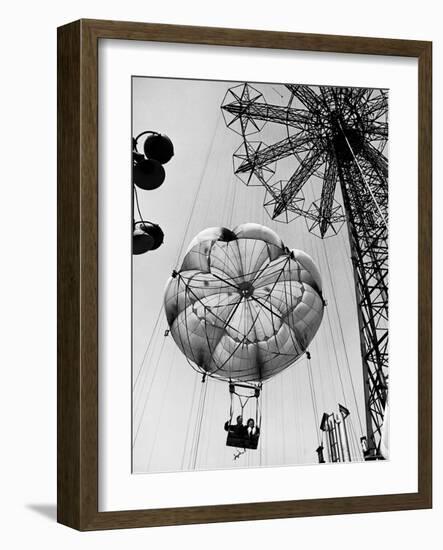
{"x":338,"y":135}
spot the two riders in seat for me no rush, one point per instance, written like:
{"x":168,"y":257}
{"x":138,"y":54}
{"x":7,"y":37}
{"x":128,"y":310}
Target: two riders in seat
{"x":240,"y":435}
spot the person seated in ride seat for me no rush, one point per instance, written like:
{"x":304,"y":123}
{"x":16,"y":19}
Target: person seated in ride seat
{"x":236,"y":429}
{"x":252,"y":431}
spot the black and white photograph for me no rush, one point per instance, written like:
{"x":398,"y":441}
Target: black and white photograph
{"x":259,"y":274}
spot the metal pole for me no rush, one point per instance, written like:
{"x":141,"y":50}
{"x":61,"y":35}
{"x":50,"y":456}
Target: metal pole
{"x":345,"y":430}
{"x":339,"y":424}
{"x":324,"y":427}
{"x":333,"y":439}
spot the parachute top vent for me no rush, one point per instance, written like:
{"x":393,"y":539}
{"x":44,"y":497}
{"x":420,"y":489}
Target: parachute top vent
{"x":227,"y":235}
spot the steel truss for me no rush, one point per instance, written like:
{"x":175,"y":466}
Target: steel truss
{"x":339,"y":135}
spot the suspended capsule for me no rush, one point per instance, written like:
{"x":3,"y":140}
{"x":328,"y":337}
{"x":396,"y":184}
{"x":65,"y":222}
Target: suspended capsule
{"x":148,"y":174}
{"x":141,"y":242}
{"x":159,"y":147}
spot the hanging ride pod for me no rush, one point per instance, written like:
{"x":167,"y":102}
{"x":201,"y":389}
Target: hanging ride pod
{"x":146,"y":236}
{"x":159,"y":147}
{"x":148,"y":174}
{"x":141,"y":242}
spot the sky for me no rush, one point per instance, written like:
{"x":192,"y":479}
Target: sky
{"x":178,"y":420}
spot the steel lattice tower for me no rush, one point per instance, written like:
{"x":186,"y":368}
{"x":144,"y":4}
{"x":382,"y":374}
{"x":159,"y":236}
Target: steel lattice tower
{"x":339,"y":135}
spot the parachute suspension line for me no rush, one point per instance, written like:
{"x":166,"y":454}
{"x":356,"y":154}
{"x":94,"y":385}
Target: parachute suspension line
{"x":313,"y":396}
{"x":261,"y":404}
{"x":258,"y":419}
{"x":233,"y":202}
{"x":320,"y":375}
{"x":195,"y":420}
{"x":188,"y":426}
{"x":137,"y":377}
{"x":243,"y":404}
{"x":211,"y":418}
{"x":263,"y":214}
{"x":148,"y":393}
{"x":231,"y":407}
{"x":271,"y":291}
{"x":160,"y":414}
{"x":292,"y":396}
{"x":249,"y":267}
{"x":290,"y":297}
{"x":204,"y":390}
{"x":346,"y":256}
{"x":146,"y":371}
{"x":197,"y":434}
{"x":270,"y":309}
{"x":197,"y":193}
{"x":319,"y":370}
{"x":282,"y":415}
{"x":256,"y":320}
{"x":298,"y":400}
{"x":352,"y":441}
{"x":226,"y":323}
{"x":356,"y":443}
{"x":258,"y":413}
{"x":331,"y":335}
{"x":337,"y":362}
{"x":242,"y":399}
{"x":228,"y":199}
{"x":191,"y":215}
{"x":188,"y":290}
{"x":263,"y":429}
{"x":343,"y":341}
{"x":185,"y":322}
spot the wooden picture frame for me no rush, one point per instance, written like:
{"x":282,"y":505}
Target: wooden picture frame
{"x":78,"y":274}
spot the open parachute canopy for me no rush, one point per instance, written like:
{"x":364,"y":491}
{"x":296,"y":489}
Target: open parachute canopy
{"x":243,"y":306}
